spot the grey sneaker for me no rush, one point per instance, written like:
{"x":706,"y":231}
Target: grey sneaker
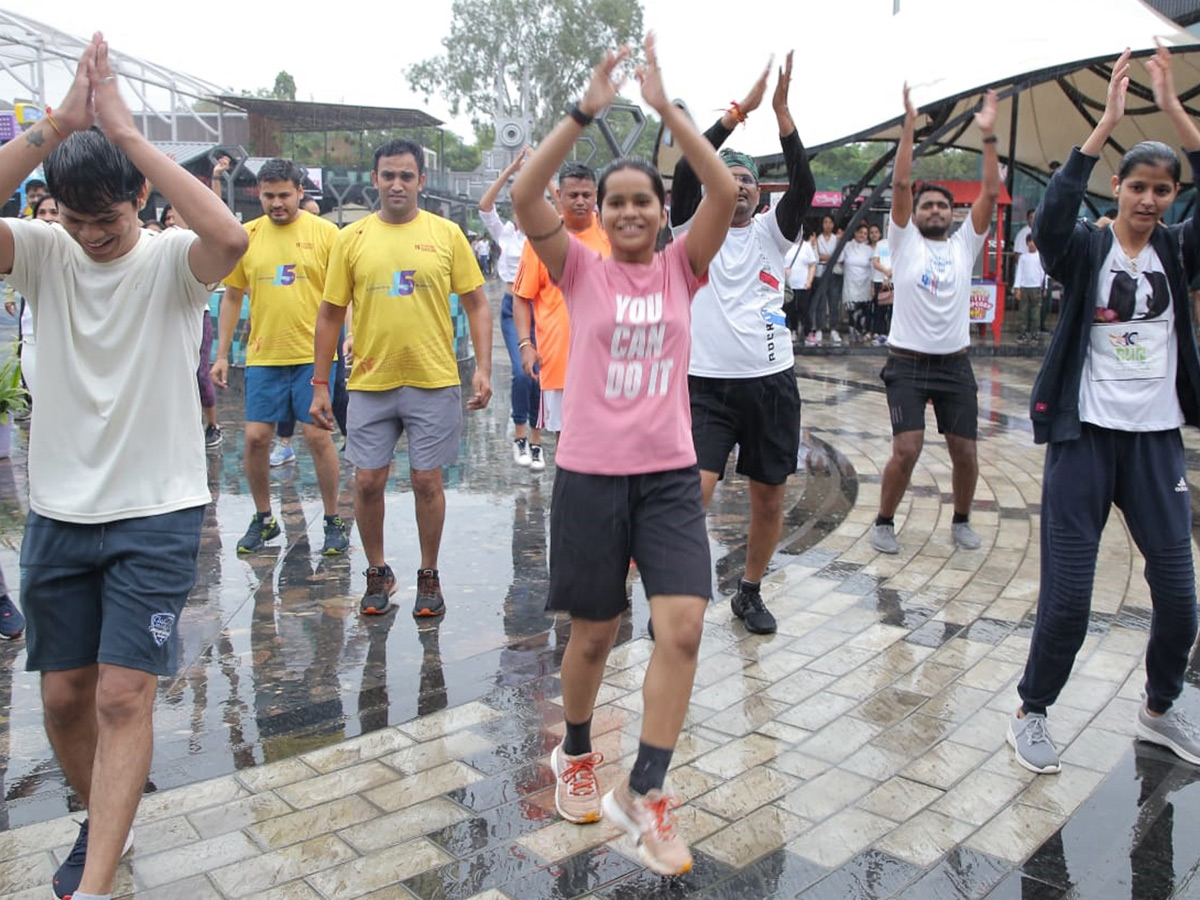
{"x":883,"y":538}
{"x":964,"y":536}
{"x":1172,"y":730}
{"x":1031,"y":741}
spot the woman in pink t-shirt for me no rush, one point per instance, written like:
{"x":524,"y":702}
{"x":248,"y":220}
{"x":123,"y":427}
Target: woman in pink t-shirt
{"x":617,"y":498}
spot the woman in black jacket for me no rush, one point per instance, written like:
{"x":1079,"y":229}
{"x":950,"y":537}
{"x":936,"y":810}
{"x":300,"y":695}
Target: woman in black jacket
{"x":1121,"y":375}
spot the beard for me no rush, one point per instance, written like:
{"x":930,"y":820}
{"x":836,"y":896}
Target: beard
{"x":934,"y":232}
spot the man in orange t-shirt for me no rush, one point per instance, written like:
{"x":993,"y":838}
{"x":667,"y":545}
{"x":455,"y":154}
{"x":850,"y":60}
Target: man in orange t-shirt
{"x":577,"y":204}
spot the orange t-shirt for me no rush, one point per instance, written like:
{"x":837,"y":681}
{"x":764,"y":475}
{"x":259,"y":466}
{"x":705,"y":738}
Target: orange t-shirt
{"x":549,"y":311}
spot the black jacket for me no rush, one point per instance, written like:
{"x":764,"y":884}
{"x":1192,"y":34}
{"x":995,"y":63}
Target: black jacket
{"x":1073,"y":253}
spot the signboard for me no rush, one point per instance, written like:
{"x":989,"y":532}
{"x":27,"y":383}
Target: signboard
{"x":8,"y":126}
{"x":983,"y":302}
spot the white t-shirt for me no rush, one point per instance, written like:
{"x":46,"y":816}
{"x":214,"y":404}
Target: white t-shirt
{"x":800,"y":260}
{"x":1021,"y":241}
{"x":856,"y":261}
{"x":738,"y":326}
{"x":1030,"y":273}
{"x":884,"y":254}
{"x":1128,"y":380}
{"x":825,"y":246}
{"x":117,"y":433}
{"x":511,"y":240}
{"x":932,"y":305}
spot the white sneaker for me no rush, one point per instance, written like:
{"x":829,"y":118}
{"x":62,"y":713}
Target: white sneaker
{"x":818,"y":337}
{"x":537,"y":462}
{"x":835,"y":338}
{"x":521,"y":454}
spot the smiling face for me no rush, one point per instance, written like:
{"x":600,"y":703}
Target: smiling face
{"x":1144,"y":196}
{"x":860,"y":234}
{"x":106,"y":236}
{"x":577,"y":200}
{"x":399,"y":185}
{"x":280,"y":200}
{"x":631,"y":215}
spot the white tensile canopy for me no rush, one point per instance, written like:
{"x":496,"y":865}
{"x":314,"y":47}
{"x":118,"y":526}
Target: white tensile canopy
{"x":853,"y":57}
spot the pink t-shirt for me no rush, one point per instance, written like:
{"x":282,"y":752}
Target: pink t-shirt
{"x":625,"y":404}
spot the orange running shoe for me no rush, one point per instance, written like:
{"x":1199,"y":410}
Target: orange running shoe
{"x":650,"y":821}
{"x":576,"y":795}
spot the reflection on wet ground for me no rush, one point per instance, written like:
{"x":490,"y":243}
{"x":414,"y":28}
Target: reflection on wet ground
{"x":858,"y":753}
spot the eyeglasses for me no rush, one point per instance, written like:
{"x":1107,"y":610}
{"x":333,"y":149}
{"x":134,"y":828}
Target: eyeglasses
{"x":747,"y":180}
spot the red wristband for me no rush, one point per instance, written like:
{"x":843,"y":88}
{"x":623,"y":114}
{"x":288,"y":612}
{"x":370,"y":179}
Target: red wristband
{"x":316,"y":381}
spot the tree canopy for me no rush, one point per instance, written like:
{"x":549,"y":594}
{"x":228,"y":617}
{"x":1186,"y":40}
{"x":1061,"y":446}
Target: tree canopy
{"x":509,"y":57}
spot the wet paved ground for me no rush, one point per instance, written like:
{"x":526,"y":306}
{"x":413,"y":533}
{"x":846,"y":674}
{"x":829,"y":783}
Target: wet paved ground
{"x":306,"y":753}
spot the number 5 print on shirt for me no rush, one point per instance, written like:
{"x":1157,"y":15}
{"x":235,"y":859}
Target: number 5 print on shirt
{"x":402,"y":283}
{"x":285,"y":275}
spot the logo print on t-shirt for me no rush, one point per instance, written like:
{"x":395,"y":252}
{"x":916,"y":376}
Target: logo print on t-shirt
{"x":285,"y":275}
{"x":160,"y":627}
{"x":402,"y":283}
{"x":1123,"y":296}
{"x":638,"y":335}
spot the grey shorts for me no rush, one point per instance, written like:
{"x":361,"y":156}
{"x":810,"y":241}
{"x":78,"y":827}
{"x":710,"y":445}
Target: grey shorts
{"x":431,"y":416}
{"x":109,"y":593}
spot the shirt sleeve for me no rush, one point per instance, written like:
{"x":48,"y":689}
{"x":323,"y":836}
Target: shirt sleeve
{"x":495,"y":225}
{"x":34,"y":244}
{"x":175,"y":244}
{"x":465,"y":275}
{"x":900,"y":236}
{"x":339,"y":284}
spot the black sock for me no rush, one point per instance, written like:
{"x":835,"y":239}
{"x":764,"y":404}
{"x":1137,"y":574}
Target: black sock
{"x":263,"y":516}
{"x":650,"y":768}
{"x":331,"y":519}
{"x":750,"y":586}
{"x":885,"y":520}
{"x":578,"y":739}
{"x":960,"y":518}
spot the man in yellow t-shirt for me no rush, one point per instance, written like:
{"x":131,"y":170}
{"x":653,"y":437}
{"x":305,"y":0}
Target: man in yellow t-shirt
{"x":284,"y":270}
{"x":399,"y":267}
{"x":536,"y":296}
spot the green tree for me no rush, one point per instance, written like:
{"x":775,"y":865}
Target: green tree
{"x":506,"y":57}
{"x":285,"y":87}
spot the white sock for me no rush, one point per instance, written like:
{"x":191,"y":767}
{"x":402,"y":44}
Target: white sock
{"x":79,"y":895}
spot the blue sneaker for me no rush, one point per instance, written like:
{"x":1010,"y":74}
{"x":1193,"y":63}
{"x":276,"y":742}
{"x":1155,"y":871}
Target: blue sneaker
{"x":12,"y":623}
{"x":281,"y":455}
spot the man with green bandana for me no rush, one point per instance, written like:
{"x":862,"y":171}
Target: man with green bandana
{"x":741,"y":379}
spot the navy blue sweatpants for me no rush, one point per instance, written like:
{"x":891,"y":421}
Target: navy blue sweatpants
{"x":1143,"y":474}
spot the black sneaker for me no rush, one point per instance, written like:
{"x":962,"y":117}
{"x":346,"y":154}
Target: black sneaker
{"x":381,"y":584}
{"x":336,"y":540}
{"x":70,"y":873}
{"x":260,"y":531}
{"x":12,"y":623}
{"x":747,"y":605}
{"x":429,"y":600}
{"x":213,"y":436}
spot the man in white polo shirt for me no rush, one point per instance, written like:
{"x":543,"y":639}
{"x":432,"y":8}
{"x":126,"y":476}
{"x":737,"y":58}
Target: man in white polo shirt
{"x":930,"y":336}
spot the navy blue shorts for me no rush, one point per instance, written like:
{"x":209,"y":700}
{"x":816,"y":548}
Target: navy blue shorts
{"x":109,"y":593}
{"x":279,"y":393}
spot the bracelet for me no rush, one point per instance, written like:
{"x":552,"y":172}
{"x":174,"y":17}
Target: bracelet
{"x":579,"y":115}
{"x":735,"y":109}
{"x":53,"y":124}
{"x":548,"y":234}
{"x":990,"y":139}
{"x":315,"y":381}
{"x":523,"y":343}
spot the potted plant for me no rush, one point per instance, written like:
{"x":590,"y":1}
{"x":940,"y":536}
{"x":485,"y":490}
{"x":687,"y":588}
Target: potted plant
{"x":14,"y":399}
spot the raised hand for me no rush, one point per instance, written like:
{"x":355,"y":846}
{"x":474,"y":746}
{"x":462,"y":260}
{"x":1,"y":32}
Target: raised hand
{"x":111,"y":111}
{"x":910,"y":111}
{"x":651,"y":78}
{"x":1162,"y":79}
{"x":779,"y":102}
{"x":1118,"y":87}
{"x":223,"y":165}
{"x":754,"y":98}
{"x":985,"y":119}
{"x":603,"y":88}
{"x":77,"y":112}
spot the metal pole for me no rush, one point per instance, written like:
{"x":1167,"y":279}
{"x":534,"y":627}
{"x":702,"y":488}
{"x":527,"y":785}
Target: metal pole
{"x":1006,"y":230}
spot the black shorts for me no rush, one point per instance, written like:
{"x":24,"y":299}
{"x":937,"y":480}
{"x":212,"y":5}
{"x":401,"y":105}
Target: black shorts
{"x":598,"y":523}
{"x":914,"y":379}
{"x":761,"y":415}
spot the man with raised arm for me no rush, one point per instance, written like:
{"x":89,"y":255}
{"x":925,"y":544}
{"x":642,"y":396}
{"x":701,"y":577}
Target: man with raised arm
{"x":927,"y":346}
{"x":109,"y":553}
{"x":741,"y":379}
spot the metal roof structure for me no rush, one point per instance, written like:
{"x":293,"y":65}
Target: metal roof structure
{"x":37,"y":63}
{"x":302,"y":115}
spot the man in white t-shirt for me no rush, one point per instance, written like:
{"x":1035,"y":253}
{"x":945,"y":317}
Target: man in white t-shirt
{"x":1021,"y":241}
{"x":109,"y":552}
{"x":930,"y":334}
{"x":741,"y":376}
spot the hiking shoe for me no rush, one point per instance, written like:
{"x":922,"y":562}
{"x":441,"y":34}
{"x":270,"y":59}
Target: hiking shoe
{"x":70,"y":873}
{"x":537,"y":462}
{"x":883,"y":538}
{"x":281,"y":455}
{"x":1031,"y":741}
{"x":429,"y":600}
{"x":213,"y":436}
{"x":521,"y":454}
{"x":576,"y":796}
{"x":964,"y":536}
{"x":12,"y":623}
{"x":381,"y":584}
{"x":1172,"y":730}
{"x":650,"y":822}
{"x":260,"y":531}
{"x":747,"y":604}
{"x":336,"y":540}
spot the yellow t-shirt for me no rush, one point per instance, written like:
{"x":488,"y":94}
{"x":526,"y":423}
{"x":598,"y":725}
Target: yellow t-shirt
{"x":284,"y":271}
{"x":400,"y":278}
